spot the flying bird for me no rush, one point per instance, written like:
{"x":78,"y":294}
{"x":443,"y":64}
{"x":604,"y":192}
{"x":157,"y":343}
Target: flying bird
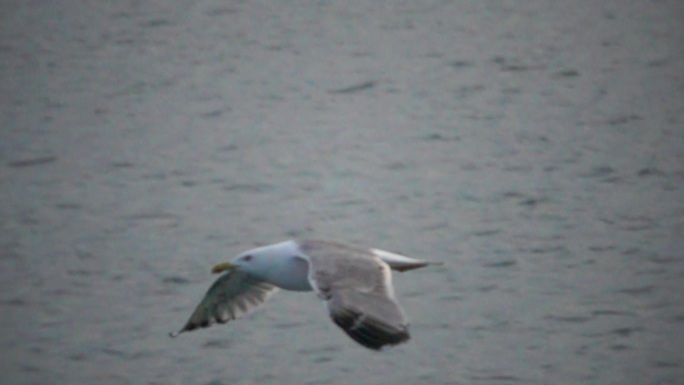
{"x":354,"y":282}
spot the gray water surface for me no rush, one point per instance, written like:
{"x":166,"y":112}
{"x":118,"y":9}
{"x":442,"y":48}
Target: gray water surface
{"x":535,"y":147}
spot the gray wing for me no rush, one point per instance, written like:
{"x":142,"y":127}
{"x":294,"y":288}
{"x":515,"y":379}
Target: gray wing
{"x":357,"y":287}
{"x":230,"y":297}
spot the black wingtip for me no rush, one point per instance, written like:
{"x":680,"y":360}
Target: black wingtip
{"x":370,"y":333}
{"x":190,"y":326}
{"x":377,"y":340}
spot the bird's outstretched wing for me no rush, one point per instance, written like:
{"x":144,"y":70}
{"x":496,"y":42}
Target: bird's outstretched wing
{"x":230,"y":297}
{"x":357,"y":288}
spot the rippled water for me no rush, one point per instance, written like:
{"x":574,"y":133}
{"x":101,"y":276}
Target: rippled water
{"x":535,"y":147}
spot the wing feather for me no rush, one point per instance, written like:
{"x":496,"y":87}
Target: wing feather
{"x":357,"y":287}
{"x":231,"y":296}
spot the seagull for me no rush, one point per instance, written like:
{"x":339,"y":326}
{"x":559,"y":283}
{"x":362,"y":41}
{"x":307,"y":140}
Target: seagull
{"x":354,"y":282}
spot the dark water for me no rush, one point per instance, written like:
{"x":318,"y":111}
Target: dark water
{"x":536,"y":147}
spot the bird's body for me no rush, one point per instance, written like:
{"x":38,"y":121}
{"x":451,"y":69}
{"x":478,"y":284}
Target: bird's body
{"x":355,"y":283}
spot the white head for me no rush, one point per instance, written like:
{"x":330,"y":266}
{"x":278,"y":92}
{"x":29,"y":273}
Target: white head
{"x":280,"y":264}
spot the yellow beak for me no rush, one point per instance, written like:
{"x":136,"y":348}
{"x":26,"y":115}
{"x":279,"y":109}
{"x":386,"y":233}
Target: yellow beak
{"x":221,"y":267}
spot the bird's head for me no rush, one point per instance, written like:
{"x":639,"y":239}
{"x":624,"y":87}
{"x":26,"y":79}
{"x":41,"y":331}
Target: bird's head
{"x":244,"y":262}
{"x":260,"y":262}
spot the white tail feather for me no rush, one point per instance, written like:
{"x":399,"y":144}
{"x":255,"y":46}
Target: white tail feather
{"x":401,"y":262}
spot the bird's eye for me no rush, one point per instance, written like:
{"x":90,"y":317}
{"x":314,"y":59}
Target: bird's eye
{"x":247,"y":258}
